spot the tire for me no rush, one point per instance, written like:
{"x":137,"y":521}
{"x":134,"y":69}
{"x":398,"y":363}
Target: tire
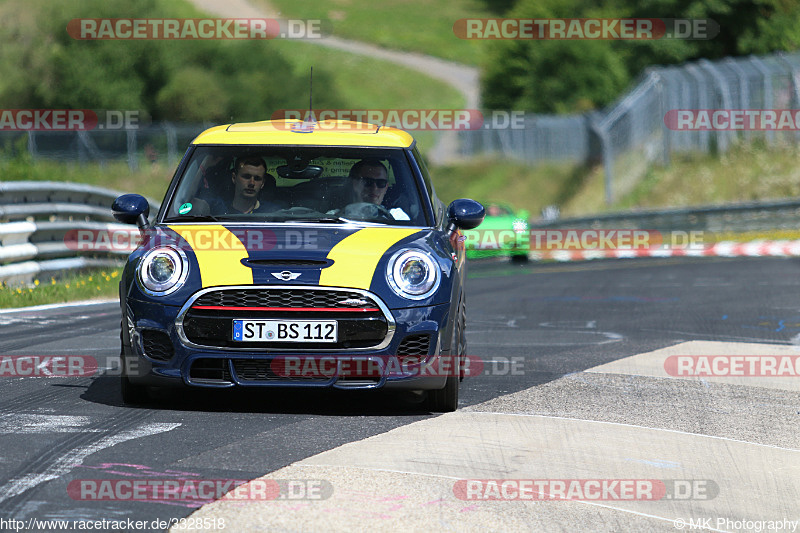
{"x":446,"y":400}
{"x":132,"y":394}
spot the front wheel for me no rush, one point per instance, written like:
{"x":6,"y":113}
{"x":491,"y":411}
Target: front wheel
{"x":446,"y":400}
{"x":132,"y":394}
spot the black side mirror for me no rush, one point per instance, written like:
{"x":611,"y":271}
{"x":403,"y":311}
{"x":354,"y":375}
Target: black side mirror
{"x":465,"y":214}
{"x":131,"y":209}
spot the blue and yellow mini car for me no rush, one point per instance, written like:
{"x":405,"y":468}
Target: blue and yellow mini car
{"x":299,"y":254}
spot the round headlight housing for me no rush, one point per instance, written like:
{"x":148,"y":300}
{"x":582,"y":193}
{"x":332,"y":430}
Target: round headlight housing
{"x":413,"y":274}
{"x":163,"y":270}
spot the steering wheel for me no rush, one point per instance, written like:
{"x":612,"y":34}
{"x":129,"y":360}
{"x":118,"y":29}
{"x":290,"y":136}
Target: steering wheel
{"x":366,"y":210}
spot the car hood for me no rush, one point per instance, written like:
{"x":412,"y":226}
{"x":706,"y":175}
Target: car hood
{"x":281,"y":254}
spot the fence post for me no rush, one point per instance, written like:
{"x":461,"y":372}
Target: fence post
{"x":608,"y":158}
{"x":133,"y":162}
{"x":744,"y":89}
{"x":172,"y":145}
{"x":32,"y":144}
{"x":662,"y":107}
{"x":723,"y":137}
{"x":762,"y":68}
{"x":794,"y":76}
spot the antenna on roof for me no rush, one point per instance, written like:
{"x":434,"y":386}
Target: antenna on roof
{"x":311,"y":117}
{"x":309,"y":123}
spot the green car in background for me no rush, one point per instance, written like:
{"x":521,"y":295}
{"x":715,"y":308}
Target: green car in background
{"x":504,"y":232}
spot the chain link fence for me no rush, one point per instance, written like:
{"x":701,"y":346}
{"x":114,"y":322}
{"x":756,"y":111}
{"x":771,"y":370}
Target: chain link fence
{"x":632,"y":134}
{"x":626,"y":138}
{"x":158,"y":142}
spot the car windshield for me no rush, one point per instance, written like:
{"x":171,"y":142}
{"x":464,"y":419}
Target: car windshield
{"x":297,"y":184}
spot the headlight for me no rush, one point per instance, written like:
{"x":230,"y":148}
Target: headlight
{"x":413,"y":274}
{"x":520,"y":225}
{"x":163,"y":270}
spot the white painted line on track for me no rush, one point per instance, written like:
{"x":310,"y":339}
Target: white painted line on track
{"x":75,"y":457}
{"x":48,"y":307}
{"x":17,"y":423}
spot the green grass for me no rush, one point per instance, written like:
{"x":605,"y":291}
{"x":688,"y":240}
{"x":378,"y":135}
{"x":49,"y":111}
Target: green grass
{"x":91,"y":285}
{"x":411,"y":25}
{"x":150,"y":180}
{"x":366,"y":83}
{"x":522,"y":185}
{"x":748,"y":172}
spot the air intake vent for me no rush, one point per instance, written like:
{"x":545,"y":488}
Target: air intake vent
{"x":210,"y":370}
{"x":414,"y":348}
{"x":287,"y":263}
{"x":157,"y":345}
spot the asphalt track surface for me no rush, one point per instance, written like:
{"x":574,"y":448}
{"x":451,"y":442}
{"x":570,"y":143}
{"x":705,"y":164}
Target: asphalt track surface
{"x":574,"y":388}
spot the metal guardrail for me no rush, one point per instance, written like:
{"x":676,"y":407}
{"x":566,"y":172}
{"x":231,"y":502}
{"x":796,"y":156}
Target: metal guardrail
{"x":36,"y":216}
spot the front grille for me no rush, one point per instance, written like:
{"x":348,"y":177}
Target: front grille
{"x":157,"y":345}
{"x":289,"y":298}
{"x":361,"y":323}
{"x":263,"y":370}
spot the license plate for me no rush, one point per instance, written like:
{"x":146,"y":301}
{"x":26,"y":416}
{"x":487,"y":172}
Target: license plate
{"x":285,"y":330}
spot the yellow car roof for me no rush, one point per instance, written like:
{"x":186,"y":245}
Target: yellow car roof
{"x":296,"y":132}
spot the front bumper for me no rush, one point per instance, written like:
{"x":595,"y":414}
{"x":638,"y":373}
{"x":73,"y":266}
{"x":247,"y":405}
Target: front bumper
{"x":157,"y":354}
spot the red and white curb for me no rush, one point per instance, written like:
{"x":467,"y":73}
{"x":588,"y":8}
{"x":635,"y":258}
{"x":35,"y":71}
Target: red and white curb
{"x":760,"y":248}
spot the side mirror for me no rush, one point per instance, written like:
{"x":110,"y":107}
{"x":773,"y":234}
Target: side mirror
{"x":131,"y":209}
{"x":465,"y":214}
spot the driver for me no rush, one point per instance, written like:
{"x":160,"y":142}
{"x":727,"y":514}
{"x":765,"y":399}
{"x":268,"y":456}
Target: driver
{"x":370,"y":181}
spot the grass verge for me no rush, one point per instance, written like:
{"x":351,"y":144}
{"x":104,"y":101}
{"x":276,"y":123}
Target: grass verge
{"x":89,"y":285}
{"x":414,"y":26}
{"x":520,"y":184}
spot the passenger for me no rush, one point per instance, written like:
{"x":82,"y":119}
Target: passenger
{"x":249,"y":179}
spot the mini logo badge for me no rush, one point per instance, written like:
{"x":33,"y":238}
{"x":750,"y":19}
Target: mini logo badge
{"x":353,"y":302}
{"x":286,"y":275}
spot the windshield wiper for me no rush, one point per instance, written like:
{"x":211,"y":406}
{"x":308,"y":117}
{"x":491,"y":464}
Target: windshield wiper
{"x":192,"y":218}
